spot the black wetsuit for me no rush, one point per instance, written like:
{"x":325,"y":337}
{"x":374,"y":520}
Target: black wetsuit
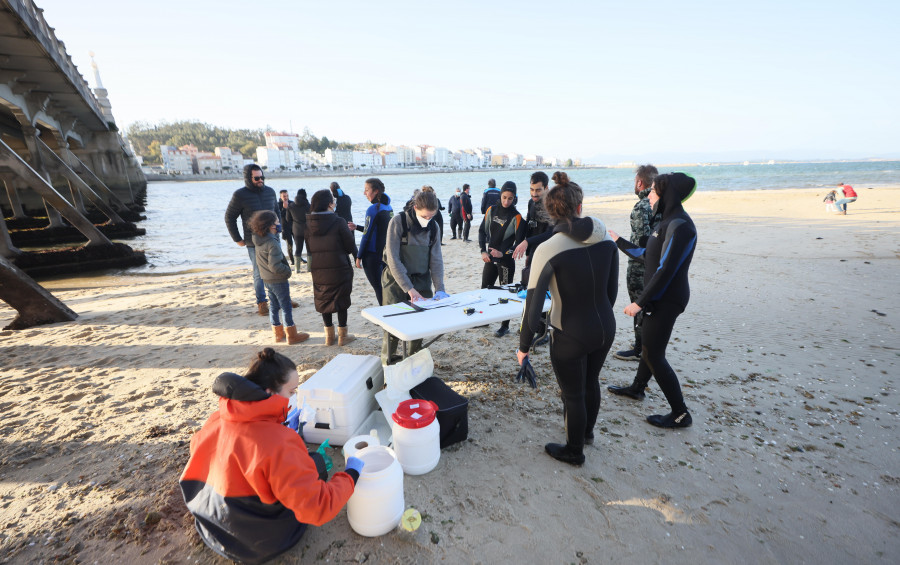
{"x":465,"y":204}
{"x":667,"y":259}
{"x":506,"y":231}
{"x":581,"y":271}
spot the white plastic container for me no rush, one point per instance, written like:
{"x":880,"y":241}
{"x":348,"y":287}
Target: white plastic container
{"x":377,"y":503}
{"x":342,"y":394}
{"x":417,"y":436}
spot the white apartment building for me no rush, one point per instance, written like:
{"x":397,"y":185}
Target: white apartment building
{"x":438,"y":157}
{"x":280,"y":140}
{"x":274,"y":159}
{"x":484,"y":156}
{"x":207,"y":163}
{"x":366,"y":160}
{"x":389,"y":160}
{"x":533,"y":161}
{"x":500,"y":161}
{"x":231,"y":160}
{"x":176,"y":161}
{"x":339,"y":158}
{"x":515,"y":159}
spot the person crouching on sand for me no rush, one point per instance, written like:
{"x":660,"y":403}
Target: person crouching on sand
{"x":275,"y":272}
{"x":250,"y":483}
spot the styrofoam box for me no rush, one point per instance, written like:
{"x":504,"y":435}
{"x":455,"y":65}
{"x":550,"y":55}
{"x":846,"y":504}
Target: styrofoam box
{"x":343,"y":396}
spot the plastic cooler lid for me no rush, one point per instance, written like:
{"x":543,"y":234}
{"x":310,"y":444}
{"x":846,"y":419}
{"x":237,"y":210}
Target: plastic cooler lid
{"x":412,"y":414}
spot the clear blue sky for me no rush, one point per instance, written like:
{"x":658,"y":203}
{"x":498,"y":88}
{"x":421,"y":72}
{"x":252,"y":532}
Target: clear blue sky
{"x":600,"y":80}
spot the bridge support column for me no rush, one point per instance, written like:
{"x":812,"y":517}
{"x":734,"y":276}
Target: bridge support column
{"x":34,"y":304}
{"x":13,"y":194}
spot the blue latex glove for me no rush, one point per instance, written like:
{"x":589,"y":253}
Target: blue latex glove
{"x":440,"y":295}
{"x":522,"y":294}
{"x":293,"y":420}
{"x":355,"y":464}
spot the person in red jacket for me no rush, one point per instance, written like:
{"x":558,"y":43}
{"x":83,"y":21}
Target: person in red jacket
{"x":849,"y":196}
{"x":250,"y":483}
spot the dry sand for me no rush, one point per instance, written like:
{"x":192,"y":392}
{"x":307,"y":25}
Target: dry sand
{"x":788,"y":354}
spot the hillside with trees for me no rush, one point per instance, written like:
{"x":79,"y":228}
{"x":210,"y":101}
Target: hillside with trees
{"x":147,"y":138}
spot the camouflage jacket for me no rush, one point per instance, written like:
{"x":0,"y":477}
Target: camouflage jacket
{"x":643,"y":220}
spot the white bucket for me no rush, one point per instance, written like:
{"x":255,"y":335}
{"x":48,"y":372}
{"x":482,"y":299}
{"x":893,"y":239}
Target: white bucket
{"x":418,"y":446}
{"x":377,"y":504}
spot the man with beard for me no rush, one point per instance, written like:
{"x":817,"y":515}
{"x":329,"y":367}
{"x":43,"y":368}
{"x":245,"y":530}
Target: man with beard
{"x":643,"y":222}
{"x":253,"y":196}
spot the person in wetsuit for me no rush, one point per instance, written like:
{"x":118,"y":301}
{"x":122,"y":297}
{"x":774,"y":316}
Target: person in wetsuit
{"x":296,"y":213}
{"x":501,"y":230}
{"x":465,"y":205}
{"x":667,"y":259}
{"x":371,"y":246}
{"x":412,"y":262}
{"x":579,"y":265}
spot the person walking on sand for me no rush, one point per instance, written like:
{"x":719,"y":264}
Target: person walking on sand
{"x":371,"y":246}
{"x":251,"y":484}
{"x":343,"y":202}
{"x":579,"y":266}
{"x":643,"y":222}
{"x":849,"y":196}
{"x":465,"y":204}
{"x":502,"y":229}
{"x":667,"y":258}
{"x":328,"y":242}
{"x":297,"y":212}
{"x":252,"y":197}
{"x":413,"y":263}
{"x":286,"y":227}
{"x":275,"y":272}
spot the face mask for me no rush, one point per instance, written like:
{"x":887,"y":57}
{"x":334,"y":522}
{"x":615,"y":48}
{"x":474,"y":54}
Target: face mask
{"x":422,"y":221}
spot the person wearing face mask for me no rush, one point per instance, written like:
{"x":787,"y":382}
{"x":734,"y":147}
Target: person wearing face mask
{"x":502,"y":229}
{"x":412,"y":262}
{"x":250,"y":483}
{"x":667,"y":258}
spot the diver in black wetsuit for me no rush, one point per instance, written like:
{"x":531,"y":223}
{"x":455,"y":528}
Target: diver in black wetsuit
{"x":667,"y":259}
{"x":501,"y":230}
{"x":581,"y":318}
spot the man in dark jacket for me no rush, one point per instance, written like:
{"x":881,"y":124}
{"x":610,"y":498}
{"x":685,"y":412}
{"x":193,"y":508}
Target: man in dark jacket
{"x":455,"y":214}
{"x":490,"y":197}
{"x":286,"y":228}
{"x":465,"y":205}
{"x":342,"y":202}
{"x":254,"y":195}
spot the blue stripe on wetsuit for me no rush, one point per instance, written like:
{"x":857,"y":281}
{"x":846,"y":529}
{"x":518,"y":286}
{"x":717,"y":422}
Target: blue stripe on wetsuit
{"x":662,"y":261}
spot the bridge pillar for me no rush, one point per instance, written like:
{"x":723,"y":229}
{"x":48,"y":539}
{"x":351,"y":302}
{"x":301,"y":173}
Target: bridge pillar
{"x":31,"y":135}
{"x":13,"y":194}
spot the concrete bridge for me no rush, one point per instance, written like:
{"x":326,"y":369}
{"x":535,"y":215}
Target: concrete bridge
{"x":61,"y":155}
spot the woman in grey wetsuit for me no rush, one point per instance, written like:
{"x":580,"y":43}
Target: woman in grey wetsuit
{"x":581,"y":317}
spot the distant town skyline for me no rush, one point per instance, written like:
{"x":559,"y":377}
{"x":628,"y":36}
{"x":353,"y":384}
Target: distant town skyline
{"x":603,"y":82}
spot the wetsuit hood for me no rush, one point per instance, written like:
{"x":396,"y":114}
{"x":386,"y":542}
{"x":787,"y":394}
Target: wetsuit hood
{"x":236,"y":387}
{"x":586,"y":230}
{"x":679,"y":188}
{"x":413,"y":223}
{"x":383,"y":199}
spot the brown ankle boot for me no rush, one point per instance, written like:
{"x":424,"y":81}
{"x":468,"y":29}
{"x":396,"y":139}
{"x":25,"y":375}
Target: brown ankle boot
{"x":329,"y":335}
{"x":293,"y":336}
{"x":279,"y":333}
{"x":263,"y":308}
{"x":343,"y":337}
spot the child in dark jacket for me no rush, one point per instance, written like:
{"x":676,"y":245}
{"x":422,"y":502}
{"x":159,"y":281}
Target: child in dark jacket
{"x":275,"y":272}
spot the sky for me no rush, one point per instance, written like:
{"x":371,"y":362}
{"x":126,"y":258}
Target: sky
{"x":602,"y":81}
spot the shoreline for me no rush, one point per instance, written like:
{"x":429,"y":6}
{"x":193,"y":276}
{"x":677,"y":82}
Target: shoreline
{"x":787,"y":355}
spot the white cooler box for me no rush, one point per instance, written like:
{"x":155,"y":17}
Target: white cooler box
{"x":342,"y":393}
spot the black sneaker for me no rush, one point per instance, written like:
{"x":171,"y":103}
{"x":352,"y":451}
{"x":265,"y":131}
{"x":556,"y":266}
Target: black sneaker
{"x":502,"y":331}
{"x":565,"y":454}
{"x":631,"y":391}
{"x":628,"y":355}
{"x":670,"y":420}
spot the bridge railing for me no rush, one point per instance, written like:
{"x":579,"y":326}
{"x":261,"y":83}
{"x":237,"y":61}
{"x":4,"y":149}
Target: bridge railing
{"x":33,"y":17}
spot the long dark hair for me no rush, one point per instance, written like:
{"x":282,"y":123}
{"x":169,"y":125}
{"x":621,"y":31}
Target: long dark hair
{"x":563,"y":199}
{"x":301,"y":197}
{"x":321,"y":200}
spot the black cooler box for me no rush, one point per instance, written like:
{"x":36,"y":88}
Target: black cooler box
{"x":453,"y":409}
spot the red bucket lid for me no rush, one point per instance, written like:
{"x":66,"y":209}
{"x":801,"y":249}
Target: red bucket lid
{"x":412,"y":414}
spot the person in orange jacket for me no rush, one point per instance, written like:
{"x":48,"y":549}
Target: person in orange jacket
{"x":250,"y":483}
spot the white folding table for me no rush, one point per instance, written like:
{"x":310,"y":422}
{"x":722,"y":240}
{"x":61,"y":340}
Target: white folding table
{"x":408,"y":324}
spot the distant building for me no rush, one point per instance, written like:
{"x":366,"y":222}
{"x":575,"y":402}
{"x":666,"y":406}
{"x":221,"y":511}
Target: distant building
{"x":207,"y":163}
{"x":533,"y":161}
{"x":389,"y":160}
{"x":438,"y":157}
{"x":484,"y":156}
{"x":231,"y":160}
{"x":273,"y":158}
{"x":278,"y":140}
{"x":339,"y":158}
{"x":176,"y":161}
{"x":515,"y":160}
{"x":366,"y":160}
{"x":499,"y":161}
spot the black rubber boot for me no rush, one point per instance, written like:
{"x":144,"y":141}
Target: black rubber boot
{"x":631,"y":391}
{"x":564,"y":453}
{"x":671,"y":420}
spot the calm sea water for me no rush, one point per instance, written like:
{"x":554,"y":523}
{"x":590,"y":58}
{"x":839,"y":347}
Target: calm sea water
{"x":186,"y":228}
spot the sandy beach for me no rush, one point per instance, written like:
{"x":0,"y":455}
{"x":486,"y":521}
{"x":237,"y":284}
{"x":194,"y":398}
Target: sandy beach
{"x":788,"y":354}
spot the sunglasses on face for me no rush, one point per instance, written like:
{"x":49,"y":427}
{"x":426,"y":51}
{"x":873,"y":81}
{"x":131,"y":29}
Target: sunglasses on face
{"x":259,"y":178}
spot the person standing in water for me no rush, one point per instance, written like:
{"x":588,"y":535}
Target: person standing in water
{"x":667,"y":258}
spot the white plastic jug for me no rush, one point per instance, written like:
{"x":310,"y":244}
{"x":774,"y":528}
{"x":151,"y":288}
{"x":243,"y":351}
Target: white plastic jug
{"x":377,"y":504}
{"x":417,"y":436}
